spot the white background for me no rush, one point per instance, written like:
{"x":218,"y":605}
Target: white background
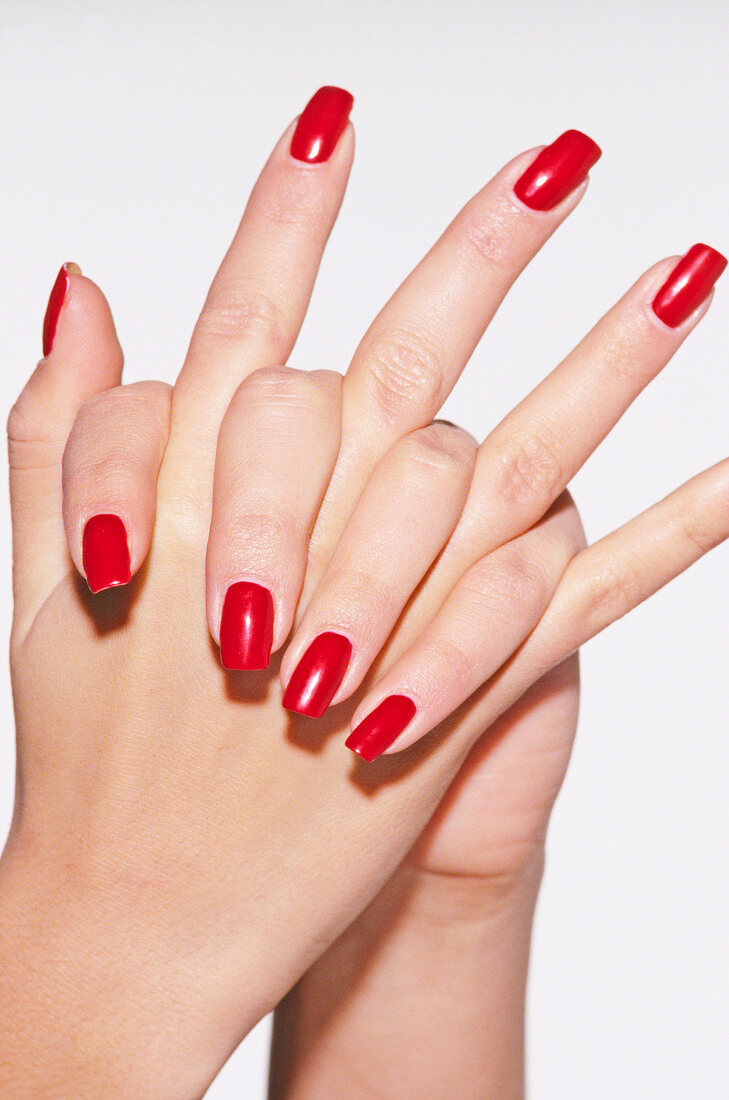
{"x":131,"y":134}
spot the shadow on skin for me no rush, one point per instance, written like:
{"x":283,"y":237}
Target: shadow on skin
{"x":248,"y":687}
{"x":313,"y":734}
{"x":109,"y":609}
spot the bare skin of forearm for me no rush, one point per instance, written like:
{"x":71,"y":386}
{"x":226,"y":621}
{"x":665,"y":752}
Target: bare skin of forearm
{"x":422,"y":996}
{"x":91,"y":1002}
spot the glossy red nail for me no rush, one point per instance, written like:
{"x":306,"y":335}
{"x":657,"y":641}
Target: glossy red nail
{"x":381,"y":727}
{"x":53,"y":310}
{"x":321,"y":124}
{"x":557,"y":170}
{"x":317,"y":676}
{"x":246,"y":626}
{"x":688,"y":284}
{"x":105,"y":552}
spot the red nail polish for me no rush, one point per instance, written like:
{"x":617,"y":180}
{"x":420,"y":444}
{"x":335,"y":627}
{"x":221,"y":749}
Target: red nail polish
{"x":318,"y":674}
{"x":246,"y":626}
{"x":321,"y":124}
{"x":688,"y":284}
{"x":105,"y":552}
{"x":381,"y":727}
{"x":55,"y":302}
{"x":557,"y":170}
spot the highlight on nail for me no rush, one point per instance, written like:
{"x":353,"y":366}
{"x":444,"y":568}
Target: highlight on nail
{"x":689,"y":284}
{"x":105,"y":552}
{"x":557,"y":170}
{"x":246,"y":626}
{"x":316,"y":678}
{"x":382,"y":726}
{"x":321,"y":124}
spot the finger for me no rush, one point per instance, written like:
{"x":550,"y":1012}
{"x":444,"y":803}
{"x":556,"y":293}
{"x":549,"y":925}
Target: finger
{"x":405,"y":516}
{"x":276,"y":450}
{"x":532,"y":455}
{"x":82,"y":358}
{"x":618,"y":572}
{"x":110,"y":468}
{"x":606,"y":581}
{"x":259,"y":296}
{"x":415,"y":350}
{"x":492,"y":609}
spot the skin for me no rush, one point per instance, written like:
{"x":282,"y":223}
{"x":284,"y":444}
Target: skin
{"x":178,"y":839}
{"x":424,"y":993}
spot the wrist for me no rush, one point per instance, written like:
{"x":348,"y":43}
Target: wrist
{"x":439,"y":955}
{"x":96,"y":999}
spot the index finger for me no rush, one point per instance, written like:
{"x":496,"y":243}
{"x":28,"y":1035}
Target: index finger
{"x":259,"y":296}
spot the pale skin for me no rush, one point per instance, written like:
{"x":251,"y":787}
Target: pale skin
{"x":183,"y":851}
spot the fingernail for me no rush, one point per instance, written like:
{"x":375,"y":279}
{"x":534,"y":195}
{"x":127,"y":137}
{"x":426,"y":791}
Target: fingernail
{"x":381,"y":727}
{"x":688,"y":284}
{"x":55,"y":303}
{"x":246,"y":626}
{"x":317,"y":676}
{"x":105,"y":552}
{"x":557,"y":170}
{"x":321,"y":124}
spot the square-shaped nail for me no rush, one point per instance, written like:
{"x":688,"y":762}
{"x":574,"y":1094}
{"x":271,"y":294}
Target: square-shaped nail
{"x":321,"y":124}
{"x":688,"y":285}
{"x":105,"y":551}
{"x":557,"y":170}
{"x":246,"y":626}
{"x":317,"y":676}
{"x":381,"y":727}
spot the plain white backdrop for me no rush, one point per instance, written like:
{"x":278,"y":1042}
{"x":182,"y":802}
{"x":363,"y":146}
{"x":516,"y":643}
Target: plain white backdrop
{"x":132,"y":132}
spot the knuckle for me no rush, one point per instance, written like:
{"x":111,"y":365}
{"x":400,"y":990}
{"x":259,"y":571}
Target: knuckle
{"x":240,"y":312}
{"x":23,"y":425}
{"x":441,"y":449}
{"x":286,"y":387}
{"x":488,"y":239}
{"x":509,"y":581}
{"x":355,"y":592}
{"x":291,"y":199}
{"x":609,"y":593}
{"x":256,"y":536}
{"x":141,"y":408}
{"x":31,"y":420}
{"x":698,"y":533}
{"x":529,"y":469}
{"x":623,"y":355}
{"x":406,"y":370}
{"x":451,"y":654}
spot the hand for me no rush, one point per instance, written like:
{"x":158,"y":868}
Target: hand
{"x":169,"y":806}
{"x":423,"y":995}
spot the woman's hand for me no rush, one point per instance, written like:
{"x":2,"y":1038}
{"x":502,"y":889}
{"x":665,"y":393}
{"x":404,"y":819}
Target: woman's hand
{"x":423,"y":995}
{"x":178,"y":839}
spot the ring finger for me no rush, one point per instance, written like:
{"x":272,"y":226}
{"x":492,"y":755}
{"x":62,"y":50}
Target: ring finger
{"x":405,"y":516}
{"x":493,"y":608}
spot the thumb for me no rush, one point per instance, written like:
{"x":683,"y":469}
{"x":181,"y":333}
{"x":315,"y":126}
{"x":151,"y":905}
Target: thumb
{"x":82,"y":357}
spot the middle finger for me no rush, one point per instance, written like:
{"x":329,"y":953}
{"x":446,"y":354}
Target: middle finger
{"x":415,"y":350}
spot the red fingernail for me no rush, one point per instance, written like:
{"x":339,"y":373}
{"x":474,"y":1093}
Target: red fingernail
{"x":53,"y":310}
{"x":246,"y":626}
{"x":106,"y":552}
{"x":557,"y":170}
{"x":318,"y":674}
{"x":321,"y":124}
{"x":381,"y":727}
{"x":688,"y":284}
